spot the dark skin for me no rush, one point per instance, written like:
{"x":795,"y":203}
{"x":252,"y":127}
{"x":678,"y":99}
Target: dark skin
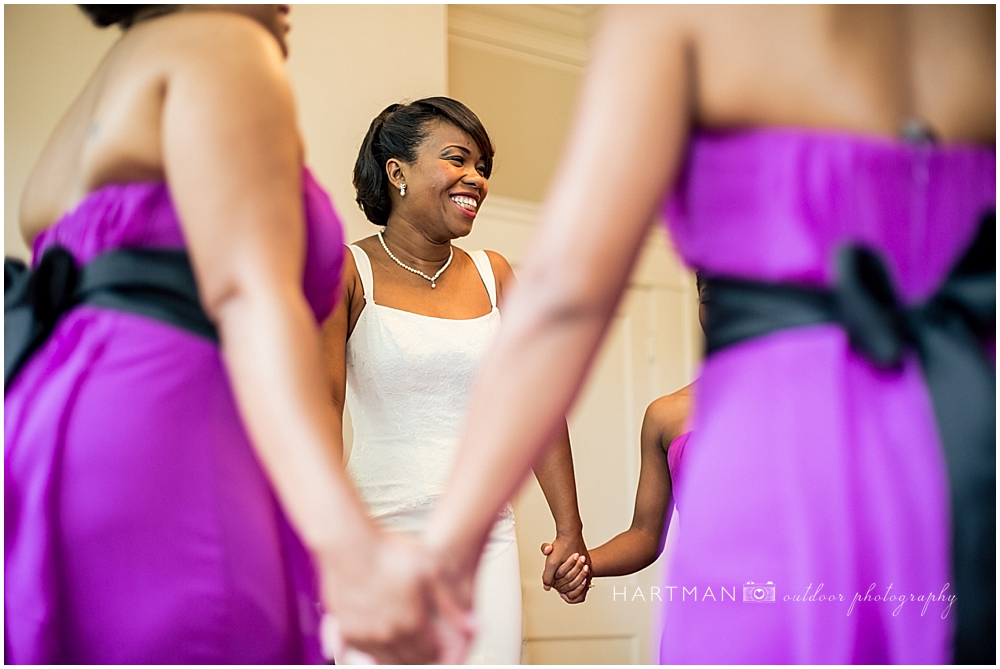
{"x":420,"y":230}
{"x":638,"y":547}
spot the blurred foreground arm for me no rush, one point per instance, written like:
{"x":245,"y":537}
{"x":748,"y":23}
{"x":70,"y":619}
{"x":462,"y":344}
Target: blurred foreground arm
{"x":624,"y":150}
{"x":233,"y":158}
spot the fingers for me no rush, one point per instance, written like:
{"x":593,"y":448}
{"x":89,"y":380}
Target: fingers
{"x":456,"y":627}
{"x":330,"y":638}
{"x":547,"y":579}
{"x":567,"y":567}
{"x":551,"y":567}
{"x":455,"y":636}
{"x":384,"y":612}
{"x":398,"y":645}
{"x":565,"y":577}
{"x":574,"y":583}
{"x":577,"y":595}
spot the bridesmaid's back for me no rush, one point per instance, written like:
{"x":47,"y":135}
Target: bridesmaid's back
{"x":865,"y":69}
{"x":112,"y":132}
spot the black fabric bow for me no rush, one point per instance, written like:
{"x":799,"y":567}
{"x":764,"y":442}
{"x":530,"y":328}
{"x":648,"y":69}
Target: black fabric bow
{"x":155,"y":283}
{"x":947,"y":331}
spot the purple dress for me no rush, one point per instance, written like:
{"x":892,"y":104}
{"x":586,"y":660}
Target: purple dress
{"x":816,"y":510}
{"x":675,"y":461}
{"x":139,"y":525}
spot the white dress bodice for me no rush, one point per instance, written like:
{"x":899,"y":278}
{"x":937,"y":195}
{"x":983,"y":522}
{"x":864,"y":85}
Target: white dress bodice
{"x":409,"y":381}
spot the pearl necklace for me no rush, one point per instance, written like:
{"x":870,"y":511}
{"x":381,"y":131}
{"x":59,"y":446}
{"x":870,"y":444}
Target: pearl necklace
{"x":432,"y":279}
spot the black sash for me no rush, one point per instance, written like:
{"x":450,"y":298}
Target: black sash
{"x":155,"y":283}
{"x":947,"y":332}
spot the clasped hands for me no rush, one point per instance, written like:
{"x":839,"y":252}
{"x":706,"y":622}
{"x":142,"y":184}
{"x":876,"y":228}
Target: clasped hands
{"x":396,"y":602}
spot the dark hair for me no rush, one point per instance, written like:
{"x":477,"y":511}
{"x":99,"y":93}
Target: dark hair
{"x":103,"y":16}
{"x":396,"y":133}
{"x":699,"y":281}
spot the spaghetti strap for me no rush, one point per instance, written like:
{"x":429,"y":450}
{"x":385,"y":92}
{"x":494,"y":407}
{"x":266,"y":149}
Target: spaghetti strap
{"x":364,"y":271}
{"x":482,"y":262}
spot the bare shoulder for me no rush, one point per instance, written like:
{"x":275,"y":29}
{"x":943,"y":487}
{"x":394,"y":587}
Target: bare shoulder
{"x":502,"y":273}
{"x":501,"y":268}
{"x":662,"y":18}
{"x":370,"y":245}
{"x":225,"y":37}
{"x":112,"y":131}
{"x":667,"y":415}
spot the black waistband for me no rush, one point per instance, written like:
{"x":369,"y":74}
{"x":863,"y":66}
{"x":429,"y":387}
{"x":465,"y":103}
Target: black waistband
{"x":947,"y":332}
{"x":156,"y":283}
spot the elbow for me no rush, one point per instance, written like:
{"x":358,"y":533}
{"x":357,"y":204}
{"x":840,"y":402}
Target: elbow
{"x":226,"y":293}
{"x":562,"y":296}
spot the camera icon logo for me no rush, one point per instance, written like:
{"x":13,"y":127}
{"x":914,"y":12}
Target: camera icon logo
{"x":758,"y":594}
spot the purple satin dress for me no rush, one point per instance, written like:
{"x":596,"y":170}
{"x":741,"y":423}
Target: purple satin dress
{"x":812,"y":474}
{"x":139,"y":525}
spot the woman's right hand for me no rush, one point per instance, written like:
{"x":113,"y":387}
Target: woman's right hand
{"x":385,"y":607}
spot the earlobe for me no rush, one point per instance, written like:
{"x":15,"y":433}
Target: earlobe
{"x":394,"y":170}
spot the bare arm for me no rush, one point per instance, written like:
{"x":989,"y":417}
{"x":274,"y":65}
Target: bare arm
{"x":232,"y":157}
{"x":625,"y":147}
{"x":640,"y":545}
{"x":558,"y":484}
{"x":336,"y":329}
{"x":554,"y":471}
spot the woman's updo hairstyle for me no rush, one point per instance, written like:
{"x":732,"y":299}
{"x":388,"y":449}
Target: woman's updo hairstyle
{"x":396,"y":133}
{"x":103,"y":16}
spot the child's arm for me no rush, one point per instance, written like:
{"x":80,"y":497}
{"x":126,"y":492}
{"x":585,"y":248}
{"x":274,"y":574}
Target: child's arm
{"x":640,"y":545}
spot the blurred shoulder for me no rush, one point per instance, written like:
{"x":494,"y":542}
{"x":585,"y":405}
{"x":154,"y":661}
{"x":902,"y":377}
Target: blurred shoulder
{"x":192,"y":39}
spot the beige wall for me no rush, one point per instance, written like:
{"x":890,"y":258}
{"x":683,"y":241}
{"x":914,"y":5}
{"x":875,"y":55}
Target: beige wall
{"x":519,"y":67}
{"x":525,"y":107}
{"x":49,"y":51}
{"x":346,"y":63}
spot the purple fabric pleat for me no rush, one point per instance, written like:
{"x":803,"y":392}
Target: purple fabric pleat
{"x":814,"y":478}
{"x":139,"y":525}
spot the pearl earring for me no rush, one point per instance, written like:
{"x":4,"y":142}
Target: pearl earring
{"x":402,"y":190}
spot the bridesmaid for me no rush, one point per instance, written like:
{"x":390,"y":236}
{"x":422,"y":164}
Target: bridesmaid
{"x":171,"y":484}
{"x":832,"y":171}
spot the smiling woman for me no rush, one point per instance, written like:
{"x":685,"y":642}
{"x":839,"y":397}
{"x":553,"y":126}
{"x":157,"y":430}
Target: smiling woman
{"x":405,"y":344}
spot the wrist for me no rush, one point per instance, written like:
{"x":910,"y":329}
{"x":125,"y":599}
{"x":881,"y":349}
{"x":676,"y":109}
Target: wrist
{"x":569,"y":529}
{"x":350,"y":539}
{"x":453,"y":550}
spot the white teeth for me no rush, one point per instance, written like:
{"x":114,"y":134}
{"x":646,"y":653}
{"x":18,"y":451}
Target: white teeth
{"x":464,"y":201}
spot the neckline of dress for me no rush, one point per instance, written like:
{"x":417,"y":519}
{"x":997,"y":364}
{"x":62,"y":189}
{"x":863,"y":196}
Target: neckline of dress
{"x":436,"y":318}
{"x":838,"y":134}
{"x":149,"y":184}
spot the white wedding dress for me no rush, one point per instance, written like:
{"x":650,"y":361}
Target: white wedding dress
{"x":409,"y":381}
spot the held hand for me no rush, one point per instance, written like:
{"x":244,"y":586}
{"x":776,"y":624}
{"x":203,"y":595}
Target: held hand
{"x":383,"y":603}
{"x":453,"y":587}
{"x":566,"y":567}
{"x":572,"y":578}
{"x":456,"y":626}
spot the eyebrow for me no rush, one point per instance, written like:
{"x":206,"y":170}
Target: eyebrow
{"x":457,"y":146}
